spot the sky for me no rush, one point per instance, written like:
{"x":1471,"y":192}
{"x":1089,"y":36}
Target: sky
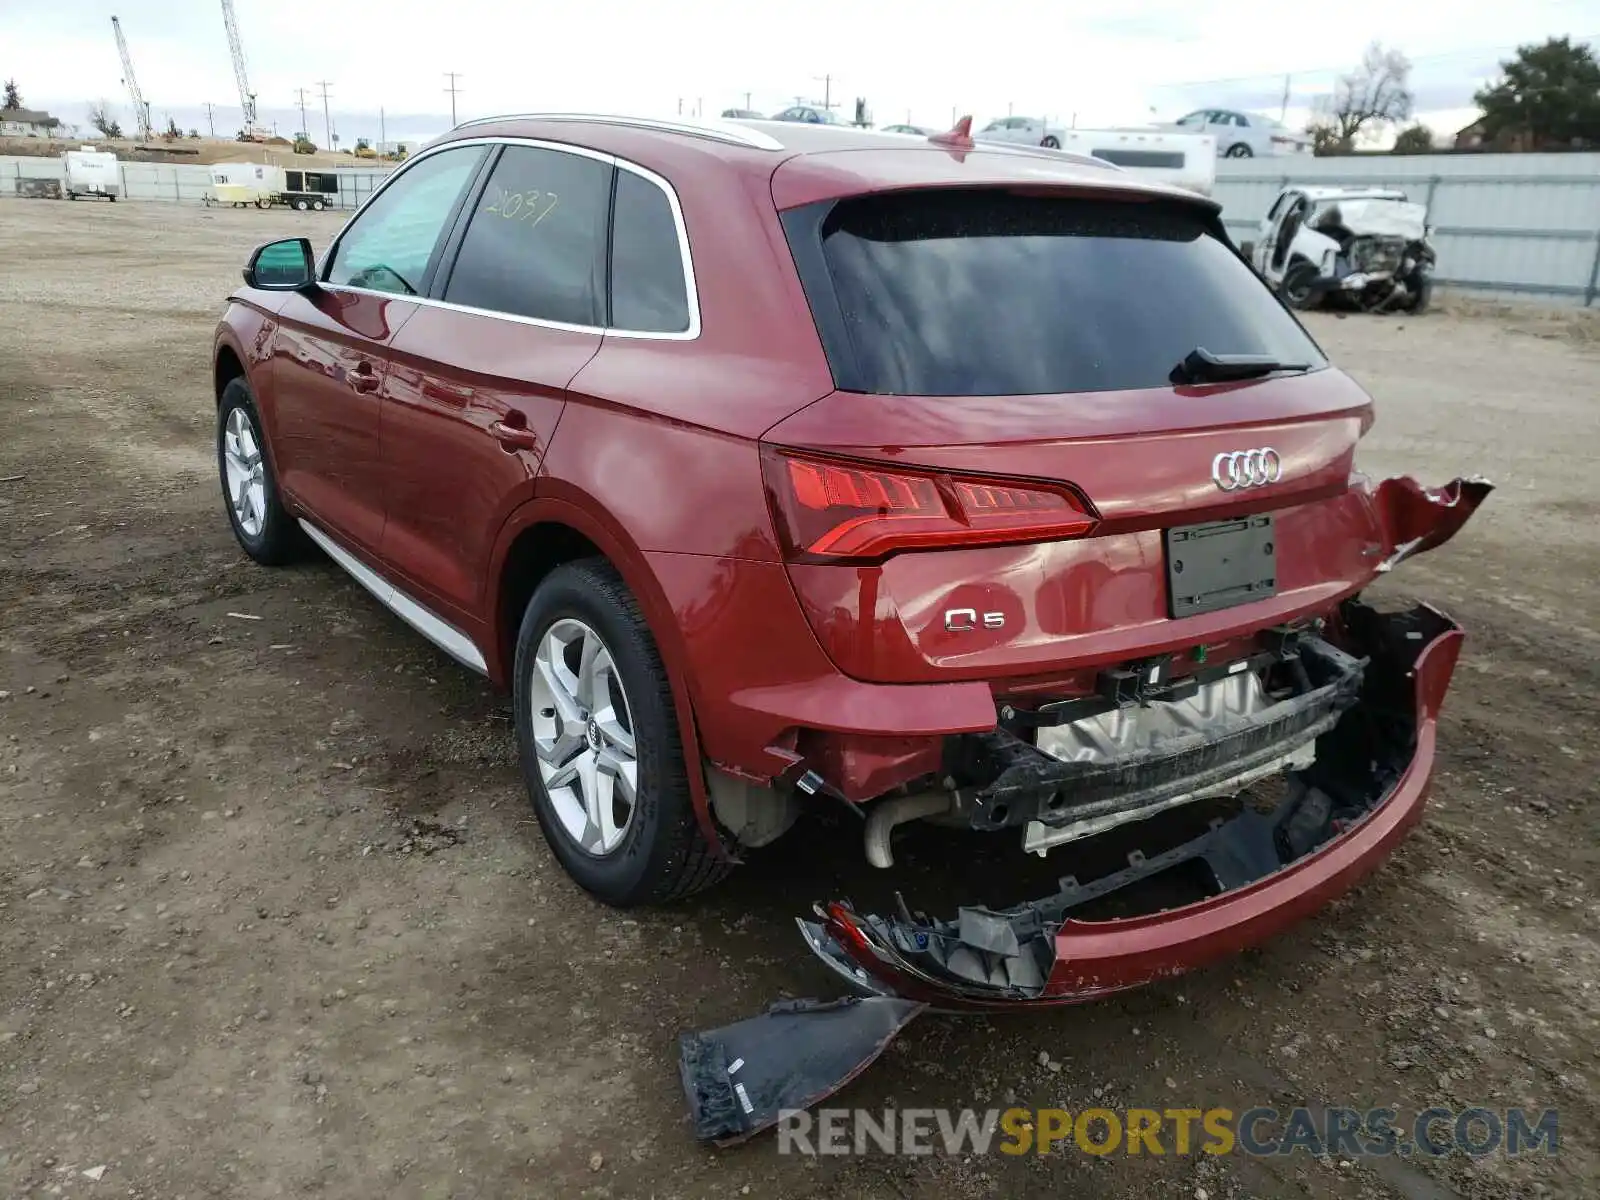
{"x":923,"y":62}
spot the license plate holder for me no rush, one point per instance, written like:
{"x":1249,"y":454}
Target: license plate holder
{"x":1220,"y":564}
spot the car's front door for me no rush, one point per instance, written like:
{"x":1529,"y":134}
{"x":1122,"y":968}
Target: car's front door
{"x":329,"y":347}
{"x":478,"y":379}
{"x":1268,"y":263}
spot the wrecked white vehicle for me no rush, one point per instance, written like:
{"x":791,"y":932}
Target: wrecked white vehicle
{"x":1366,"y":247}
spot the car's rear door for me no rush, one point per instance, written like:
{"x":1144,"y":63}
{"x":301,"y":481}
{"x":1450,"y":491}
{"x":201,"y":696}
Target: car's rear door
{"x":328,"y":349}
{"x":479,"y":375}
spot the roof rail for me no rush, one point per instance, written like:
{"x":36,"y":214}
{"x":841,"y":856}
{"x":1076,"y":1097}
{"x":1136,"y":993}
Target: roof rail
{"x":721,"y":131}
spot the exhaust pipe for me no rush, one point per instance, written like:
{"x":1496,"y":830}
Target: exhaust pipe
{"x":886,"y":814}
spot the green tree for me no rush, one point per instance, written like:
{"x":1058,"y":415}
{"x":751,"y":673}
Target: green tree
{"x":1414,"y":139}
{"x":1548,"y":94}
{"x":13,"y":96}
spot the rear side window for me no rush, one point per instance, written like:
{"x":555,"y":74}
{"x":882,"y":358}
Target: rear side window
{"x":535,"y":246}
{"x":649,"y":289}
{"x":991,"y":293}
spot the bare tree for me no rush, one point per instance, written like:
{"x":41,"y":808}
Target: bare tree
{"x":1378,"y":92}
{"x":1375,"y":94}
{"x":100,"y":117}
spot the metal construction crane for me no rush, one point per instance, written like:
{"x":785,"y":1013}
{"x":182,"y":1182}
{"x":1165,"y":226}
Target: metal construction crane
{"x":247,"y":99}
{"x":141,"y":110}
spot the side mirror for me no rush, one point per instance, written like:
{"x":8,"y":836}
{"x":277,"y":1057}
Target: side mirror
{"x":285,"y":266}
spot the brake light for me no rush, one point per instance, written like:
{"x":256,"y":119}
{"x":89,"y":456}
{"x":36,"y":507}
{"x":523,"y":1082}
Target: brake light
{"x":852,"y":510}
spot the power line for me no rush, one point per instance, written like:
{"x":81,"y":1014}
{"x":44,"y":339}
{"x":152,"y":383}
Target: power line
{"x":327,"y":120}
{"x":452,"y":76}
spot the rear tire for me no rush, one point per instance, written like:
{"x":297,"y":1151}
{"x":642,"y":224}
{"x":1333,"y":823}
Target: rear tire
{"x":317,"y":206}
{"x":1051,"y":142}
{"x":301,"y":205}
{"x":264,"y":530}
{"x":595,"y":719}
{"x":1239,"y":150}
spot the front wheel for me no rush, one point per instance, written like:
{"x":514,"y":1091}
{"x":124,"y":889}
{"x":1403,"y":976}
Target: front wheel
{"x":598,"y":736}
{"x":1051,"y":142}
{"x":1421,"y":293}
{"x":1299,"y":286}
{"x":264,"y":530}
{"x":1240,"y":150}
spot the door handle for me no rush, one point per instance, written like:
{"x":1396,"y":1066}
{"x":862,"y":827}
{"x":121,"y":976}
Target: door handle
{"x":363,"y":378}
{"x":514,"y":437}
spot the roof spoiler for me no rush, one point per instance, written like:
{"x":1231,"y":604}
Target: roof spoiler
{"x":959,"y":136}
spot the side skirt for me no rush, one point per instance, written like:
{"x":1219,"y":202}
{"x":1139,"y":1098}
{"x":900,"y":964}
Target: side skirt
{"x":437,"y":630}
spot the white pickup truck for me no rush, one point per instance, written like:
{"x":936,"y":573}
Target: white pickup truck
{"x":1368,"y":246}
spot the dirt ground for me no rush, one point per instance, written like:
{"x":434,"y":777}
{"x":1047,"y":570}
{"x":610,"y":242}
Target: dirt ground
{"x":275,"y":918}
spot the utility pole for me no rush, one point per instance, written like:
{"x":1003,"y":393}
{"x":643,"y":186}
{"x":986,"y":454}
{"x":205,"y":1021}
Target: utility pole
{"x":697,"y":102}
{"x":1010,"y":108}
{"x":305,"y":126}
{"x":1283,"y":109}
{"x":211,"y":124}
{"x":452,"y":76}
{"x":827,"y":90}
{"x":382,"y":131}
{"x":747,"y":107}
{"x":327,"y":121}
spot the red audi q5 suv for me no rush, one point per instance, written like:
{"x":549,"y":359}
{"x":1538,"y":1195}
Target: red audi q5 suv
{"x":770,"y":465}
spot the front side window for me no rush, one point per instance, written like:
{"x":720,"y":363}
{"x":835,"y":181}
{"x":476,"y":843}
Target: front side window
{"x":983,"y":292}
{"x":390,"y":246}
{"x":535,"y":246}
{"x":649,"y":289}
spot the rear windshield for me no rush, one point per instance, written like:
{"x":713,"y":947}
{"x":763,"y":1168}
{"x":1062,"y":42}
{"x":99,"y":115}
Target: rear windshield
{"x":991,"y":293}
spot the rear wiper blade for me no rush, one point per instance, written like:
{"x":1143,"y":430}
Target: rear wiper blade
{"x":1202,"y":366}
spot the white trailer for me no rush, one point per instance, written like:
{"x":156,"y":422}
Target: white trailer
{"x":1188,"y":160}
{"x":90,"y":172}
{"x":242,"y":183}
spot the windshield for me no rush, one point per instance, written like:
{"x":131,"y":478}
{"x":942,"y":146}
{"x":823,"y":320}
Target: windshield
{"x":989,"y":293}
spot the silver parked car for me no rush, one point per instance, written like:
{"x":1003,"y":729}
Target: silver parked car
{"x":810,"y":114}
{"x":1029,"y":131}
{"x":1245,"y":135}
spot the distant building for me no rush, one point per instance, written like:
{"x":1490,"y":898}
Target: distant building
{"x":1472,"y":137}
{"x":25,"y":122}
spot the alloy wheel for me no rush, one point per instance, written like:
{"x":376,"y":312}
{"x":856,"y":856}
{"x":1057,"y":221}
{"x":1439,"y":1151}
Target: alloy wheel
{"x":246,"y":471}
{"x":583,"y":737}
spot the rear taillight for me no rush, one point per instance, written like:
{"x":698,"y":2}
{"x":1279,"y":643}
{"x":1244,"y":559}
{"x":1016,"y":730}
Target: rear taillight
{"x":838,"y":509}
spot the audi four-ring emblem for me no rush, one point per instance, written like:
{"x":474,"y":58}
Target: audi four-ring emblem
{"x":1246,"y":469}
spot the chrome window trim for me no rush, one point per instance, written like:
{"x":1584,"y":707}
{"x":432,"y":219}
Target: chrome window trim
{"x":707,"y":128}
{"x":691,"y":288}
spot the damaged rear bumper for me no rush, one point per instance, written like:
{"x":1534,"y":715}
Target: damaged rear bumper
{"x":1340,"y":818}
